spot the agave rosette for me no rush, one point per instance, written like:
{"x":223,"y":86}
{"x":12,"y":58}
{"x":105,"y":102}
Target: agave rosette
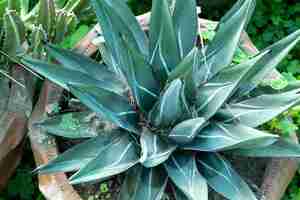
{"x":172,"y":109}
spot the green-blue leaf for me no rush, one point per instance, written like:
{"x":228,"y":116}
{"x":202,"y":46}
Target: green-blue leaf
{"x":164,"y":52}
{"x":218,"y":136}
{"x":182,"y":169}
{"x":179,"y":195}
{"x":109,"y":105}
{"x":280,"y":149}
{"x":142,"y":82}
{"x":143,"y":183}
{"x":171,"y":106}
{"x":115,"y":17}
{"x":186,"y":65}
{"x":77,"y":62}
{"x":275,"y":54}
{"x":185,"y":22}
{"x":258,"y":110}
{"x":63,"y":76}
{"x":221,"y":49}
{"x":186,"y":131}
{"x":212,"y":95}
{"x":119,"y":157}
{"x":155,"y":150}
{"x":223,"y":178}
{"x":81,"y":154}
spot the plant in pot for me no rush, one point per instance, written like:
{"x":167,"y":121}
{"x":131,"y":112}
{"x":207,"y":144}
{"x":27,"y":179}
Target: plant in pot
{"x":164,"y":110}
{"x":24,"y":28}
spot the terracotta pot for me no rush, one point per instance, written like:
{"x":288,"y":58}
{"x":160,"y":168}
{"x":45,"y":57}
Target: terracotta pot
{"x":56,"y":187}
{"x":44,"y":147}
{"x":16,"y":106}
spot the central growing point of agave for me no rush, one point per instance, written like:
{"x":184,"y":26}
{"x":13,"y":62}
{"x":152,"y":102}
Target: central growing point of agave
{"x":173,"y":107}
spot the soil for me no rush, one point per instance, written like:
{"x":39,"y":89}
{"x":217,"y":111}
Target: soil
{"x":107,"y":190}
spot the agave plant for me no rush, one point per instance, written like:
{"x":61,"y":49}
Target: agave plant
{"x":166,"y":110}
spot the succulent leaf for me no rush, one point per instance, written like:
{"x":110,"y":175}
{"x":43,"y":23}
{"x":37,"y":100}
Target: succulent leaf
{"x":258,"y":110}
{"x":109,"y":105}
{"x":81,"y":154}
{"x":185,"y":22}
{"x":60,"y":26}
{"x":182,"y":170}
{"x":13,"y":5}
{"x":121,"y":156}
{"x":74,"y":125}
{"x":15,"y":33}
{"x":112,"y":15}
{"x":218,"y":136}
{"x":223,"y":178}
{"x":164,"y":51}
{"x":142,"y":82}
{"x":117,"y":32}
{"x":275,"y":54}
{"x":165,"y":101}
{"x":179,"y":195}
{"x":235,"y":8}
{"x":24,"y":7}
{"x":116,"y":38}
{"x":64,"y":23}
{"x":186,"y":65}
{"x":143,"y":183}
{"x":37,"y":38}
{"x":212,"y":95}
{"x":221,"y":49}
{"x":155,"y":150}
{"x":186,"y":131}
{"x":110,"y":61}
{"x":171,"y":106}
{"x":280,"y":149}
{"x":63,"y":76}
{"x":77,"y":62}
{"x":46,"y":15}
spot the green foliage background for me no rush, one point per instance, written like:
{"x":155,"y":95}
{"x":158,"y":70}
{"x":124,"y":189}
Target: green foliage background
{"x":273,"y":20}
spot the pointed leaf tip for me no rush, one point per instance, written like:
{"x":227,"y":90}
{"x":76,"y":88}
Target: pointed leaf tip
{"x":221,"y":49}
{"x":164,"y":52}
{"x":259,"y":110}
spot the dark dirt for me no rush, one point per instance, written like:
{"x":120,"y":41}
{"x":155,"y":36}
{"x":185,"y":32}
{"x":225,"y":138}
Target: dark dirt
{"x":107,"y":190}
